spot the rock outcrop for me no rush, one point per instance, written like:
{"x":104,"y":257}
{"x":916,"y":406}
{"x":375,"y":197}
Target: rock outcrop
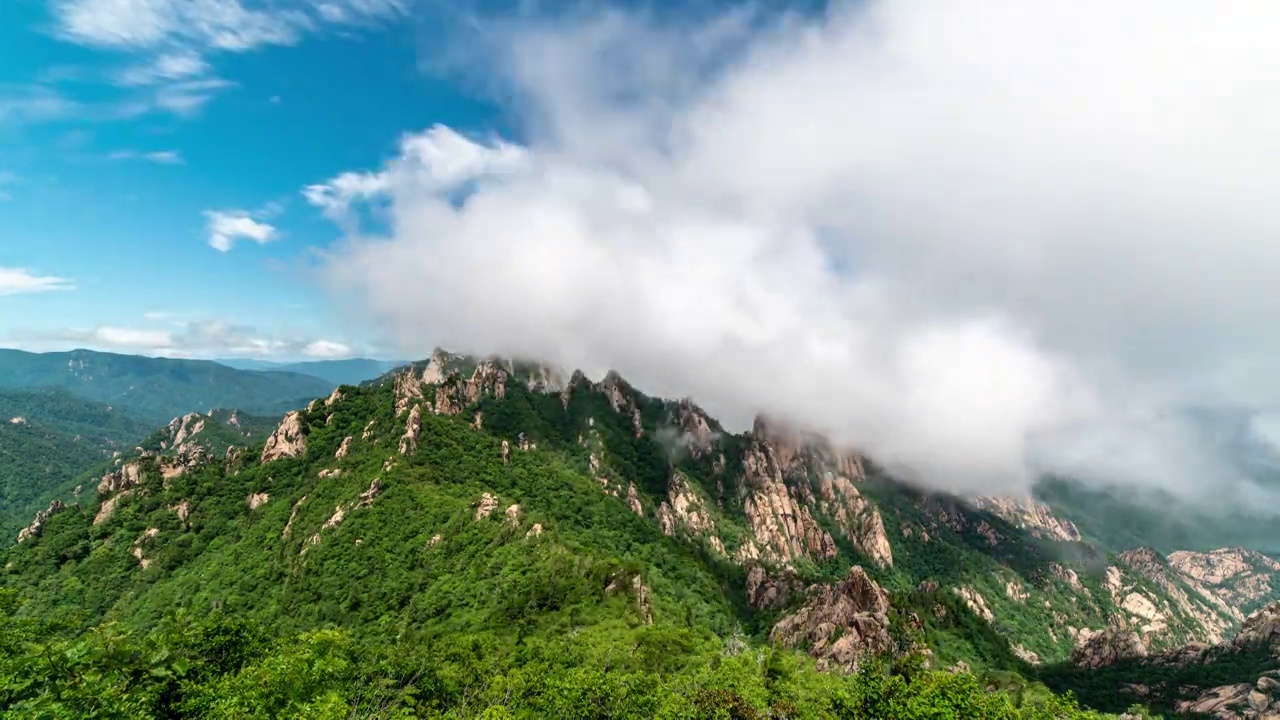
{"x":129,"y":476}
{"x":488,"y":503}
{"x":343,"y":448}
{"x":1186,"y":593}
{"x":1261,"y":629}
{"x":1242,"y":579}
{"x":288,"y":440}
{"x":1095,"y":649}
{"x":788,"y":476}
{"x":685,"y":510}
{"x":841,"y":624}
{"x":1027,"y":514}
{"x":33,"y":530}
{"x":412,"y":429}
{"x":256,"y":500}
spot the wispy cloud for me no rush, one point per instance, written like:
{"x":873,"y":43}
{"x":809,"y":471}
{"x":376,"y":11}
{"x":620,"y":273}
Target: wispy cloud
{"x":178,"y":65}
{"x":21,"y":281}
{"x":159,"y":157}
{"x":208,"y":338}
{"x":225,"y":227}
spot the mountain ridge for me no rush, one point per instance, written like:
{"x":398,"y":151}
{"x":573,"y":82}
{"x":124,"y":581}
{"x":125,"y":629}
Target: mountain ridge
{"x":471,"y":497}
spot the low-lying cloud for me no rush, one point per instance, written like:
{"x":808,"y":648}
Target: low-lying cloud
{"x":977,"y":241}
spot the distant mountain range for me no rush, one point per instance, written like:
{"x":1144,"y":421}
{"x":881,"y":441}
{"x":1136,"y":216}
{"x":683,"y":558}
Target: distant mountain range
{"x":339,"y":372}
{"x":159,"y":389}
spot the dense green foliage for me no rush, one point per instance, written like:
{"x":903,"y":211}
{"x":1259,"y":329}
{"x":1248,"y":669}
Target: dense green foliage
{"x":48,"y":440}
{"x":221,"y":667}
{"x":157,"y":389}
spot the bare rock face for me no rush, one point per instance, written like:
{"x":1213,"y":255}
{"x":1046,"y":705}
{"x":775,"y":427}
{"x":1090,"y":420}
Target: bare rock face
{"x":289,"y":440}
{"x":685,"y":510}
{"x":343,"y":449}
{"x":139,"y":546}
{"x":622,"y":399}
{"x":189,"y":458}
{"x":783,"y":528}
{"x":513,"y":515}
{"x":182,"y":510}
{"x":412,"y":430}
{"x":366,"y":498}
{"x":633,"y":502}
{"x":181,"y":429}
{"x":334,"y":398}
{"x":976,"y":602}
{"x":696,"y":429}
{"x":1027,"y":514}
{"x":789,"y":475}
{"x":1232,"y":702}
{"x":108,"y":507}
{"x":841,"y":624}
{"x":488,"y":502}
{"x":1095,"y":649}
{"x":454,"y":394}
{"x":1239,"y":578}
{"x":1261,"y":629}
{"x":1214,"y":616}
{"x":33,"y":530}
{"x":767,"y":591}
{"x":127,"y":477}
{"x":256,"y":500}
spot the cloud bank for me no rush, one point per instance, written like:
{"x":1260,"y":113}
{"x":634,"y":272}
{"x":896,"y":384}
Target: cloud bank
{"x":979,"y":242}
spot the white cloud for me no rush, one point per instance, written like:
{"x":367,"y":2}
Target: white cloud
{"x":436,"y":160}
{"x":229,"y":25}
{"x":975,"y":241}
{"x":225,"y":227}
{"x":178,"y":65}
{"x":20,"y":281}
{"x":160,"y":157}
{"x":327,"y":350}
{"x":211,"y":338}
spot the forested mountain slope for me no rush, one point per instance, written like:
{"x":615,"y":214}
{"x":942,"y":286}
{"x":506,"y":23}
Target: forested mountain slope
{"x":157,"y":389}
{"x":518,"y":526}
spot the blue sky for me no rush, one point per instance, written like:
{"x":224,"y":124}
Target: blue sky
{"x":151,"y":158}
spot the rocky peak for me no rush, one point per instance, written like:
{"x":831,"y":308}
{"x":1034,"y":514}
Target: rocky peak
{"x":181,"y":429}
{"x":840,"y":624}
{"x":698,"y":430}
{"x":788,"y":475}
{"x":288,"y":440}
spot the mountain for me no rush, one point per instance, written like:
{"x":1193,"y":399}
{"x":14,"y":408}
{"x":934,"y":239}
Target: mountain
{"x":48,"y":439}
{"x":157,"y":389}
{"x":469,"y":538}
{"x":339,"y":372}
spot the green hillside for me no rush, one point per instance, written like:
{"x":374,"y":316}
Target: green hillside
{"x":470,"y":539}
{"x":158,"y":389}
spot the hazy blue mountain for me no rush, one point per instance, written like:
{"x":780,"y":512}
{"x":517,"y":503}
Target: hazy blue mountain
{"x":159,"y":389}
{"x":339,"y":372}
